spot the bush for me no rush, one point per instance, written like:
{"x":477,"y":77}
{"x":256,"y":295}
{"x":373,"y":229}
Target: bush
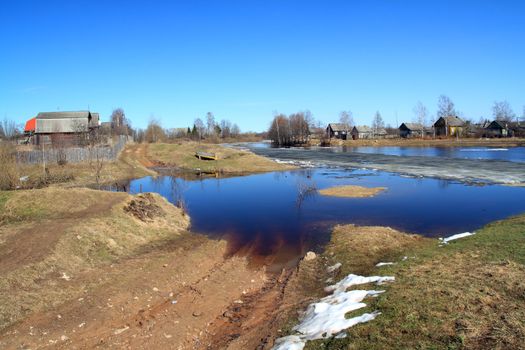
{"x":9,"y":177}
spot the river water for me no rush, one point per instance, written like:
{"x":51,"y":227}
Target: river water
{"x":268,"y":217}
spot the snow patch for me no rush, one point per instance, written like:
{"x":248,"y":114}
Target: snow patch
{"x":456,"y":236}
{"x":326,"y":318}
{"x":333,"y":267}
{"x":379,"y":264}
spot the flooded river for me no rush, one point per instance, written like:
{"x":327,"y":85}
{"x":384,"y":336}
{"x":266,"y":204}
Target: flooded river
{"x":266,"y":216}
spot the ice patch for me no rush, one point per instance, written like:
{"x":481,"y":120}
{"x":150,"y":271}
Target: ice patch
{"x":456,"y":236}
{"x":326,"y":318}
{"x":483,"y":149}
{"x":379,"y":264}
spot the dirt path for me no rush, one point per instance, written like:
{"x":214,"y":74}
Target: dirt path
{"x":139,"y":152}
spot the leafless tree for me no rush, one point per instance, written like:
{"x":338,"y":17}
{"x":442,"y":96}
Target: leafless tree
{"x":503,"y":112}
{"x":377,"y":123}
{"x":9,"y":128}
{"x":421,"y":114}
{"x":210,"y":123}
{"x":346,"y":118}
{"x":119,"y":122}
{"x":201,"y":129}
{"x":287,"y":131}
{"x":226,"y":127}
{"x":445,"y":107}
{"x":236,"y":131}
{"x":154,"y":132}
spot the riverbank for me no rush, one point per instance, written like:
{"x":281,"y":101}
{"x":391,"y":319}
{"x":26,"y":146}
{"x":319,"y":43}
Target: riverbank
{"x":414,"y":142}
{"x":464,"y":294}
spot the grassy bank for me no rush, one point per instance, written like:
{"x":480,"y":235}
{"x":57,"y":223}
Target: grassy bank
{"x":182,"y":155}
{"x":51,"y":236}
{"x":468,"y":294}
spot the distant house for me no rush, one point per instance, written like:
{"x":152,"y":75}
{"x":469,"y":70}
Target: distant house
{"x":408,"y":130}
{"x":449,"y":126}
{"x":497,"y":128}
{"x":66,"y":128}
{"x":362,"y":132}
{"x":337,"y":130}
{"x":380,"y":133}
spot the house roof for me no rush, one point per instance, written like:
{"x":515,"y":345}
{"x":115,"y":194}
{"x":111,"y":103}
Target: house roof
{"x":498,"y":124}
{"x":65,"y":115}
{"x":413,"y":126}
{"x":451,"y":121}
{"x":363,"y":128}
{"x":338,"y":126}
{"x":381,"y":131}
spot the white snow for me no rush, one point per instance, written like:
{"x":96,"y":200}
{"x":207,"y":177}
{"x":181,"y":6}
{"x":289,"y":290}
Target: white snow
{"x":379,"y":264}
{"x":457,"y":236}
{"x":326,"y":318}
{"x":333,"y":267}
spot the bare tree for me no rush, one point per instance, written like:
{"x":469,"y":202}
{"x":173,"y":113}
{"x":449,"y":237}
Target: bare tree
{"x":445,"y":107}
{"x":503,"y":112}
{"x":523,"y":115}
{"x":226,"y":127}
{"x":236,"y":131}
{"x":421,"y":114}
{"x":199,"y":125}
{"x":287,"y":131}
{"x":377,"y":123}
{"x":119,"y":123}
{"x":346,"y":118}
{"x":210,"y":123}
{"x":154,"y":132}
{"x":10,"y":130}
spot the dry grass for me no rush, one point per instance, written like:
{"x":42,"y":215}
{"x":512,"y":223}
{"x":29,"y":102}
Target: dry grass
{"x":468,"y":294}
{"x":350,"y":191}
{"x":182,"y":155}
{"x":82,"y":174}
{"x":9,"y":172}
{"x":52,"y":232}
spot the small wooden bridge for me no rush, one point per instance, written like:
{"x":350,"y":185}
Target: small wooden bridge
{"x":205,"y":155}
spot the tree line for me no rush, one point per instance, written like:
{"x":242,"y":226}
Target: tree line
{"x":209,"y":130}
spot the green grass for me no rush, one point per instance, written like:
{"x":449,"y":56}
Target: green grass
{"x":468,"y":294}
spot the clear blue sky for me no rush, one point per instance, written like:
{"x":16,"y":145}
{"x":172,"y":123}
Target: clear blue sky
{"x":243,"y":60}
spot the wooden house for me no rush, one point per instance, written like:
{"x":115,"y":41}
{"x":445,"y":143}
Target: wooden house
{"x":408,"y":130}
{"x":362,"y":132}
{"x":449,"y":126}
{"x":497,"y":128}
{"x":337,"y":131}
{"x":64,"y":128}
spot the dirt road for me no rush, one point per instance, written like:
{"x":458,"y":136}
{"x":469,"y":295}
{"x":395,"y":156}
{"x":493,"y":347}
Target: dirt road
{"x":178,"y":290}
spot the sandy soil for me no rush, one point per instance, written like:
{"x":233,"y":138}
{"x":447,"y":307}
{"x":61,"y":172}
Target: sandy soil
{"x":350,"y":191}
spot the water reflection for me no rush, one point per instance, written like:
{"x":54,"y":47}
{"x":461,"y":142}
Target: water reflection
{"x":276,"y":217}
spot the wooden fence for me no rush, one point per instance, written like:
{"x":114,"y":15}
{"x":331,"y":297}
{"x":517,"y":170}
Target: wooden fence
{"x":72,"y":154}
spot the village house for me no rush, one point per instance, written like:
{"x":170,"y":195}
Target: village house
{"x":64,"y":128}
{"x":497,"y":128}
{"x":362,"y":132}
{"x":409,"y":130}
{"x":449,"y":126}
{"x":337,"y":130}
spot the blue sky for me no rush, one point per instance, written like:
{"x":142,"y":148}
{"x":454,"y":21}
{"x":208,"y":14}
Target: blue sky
{"x":244,"y":60}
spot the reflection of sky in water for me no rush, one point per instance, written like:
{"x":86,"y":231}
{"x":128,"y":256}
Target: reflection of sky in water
{"x":262,"y":211}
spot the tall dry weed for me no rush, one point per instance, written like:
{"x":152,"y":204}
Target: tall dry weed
{"x":9,"y":176}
